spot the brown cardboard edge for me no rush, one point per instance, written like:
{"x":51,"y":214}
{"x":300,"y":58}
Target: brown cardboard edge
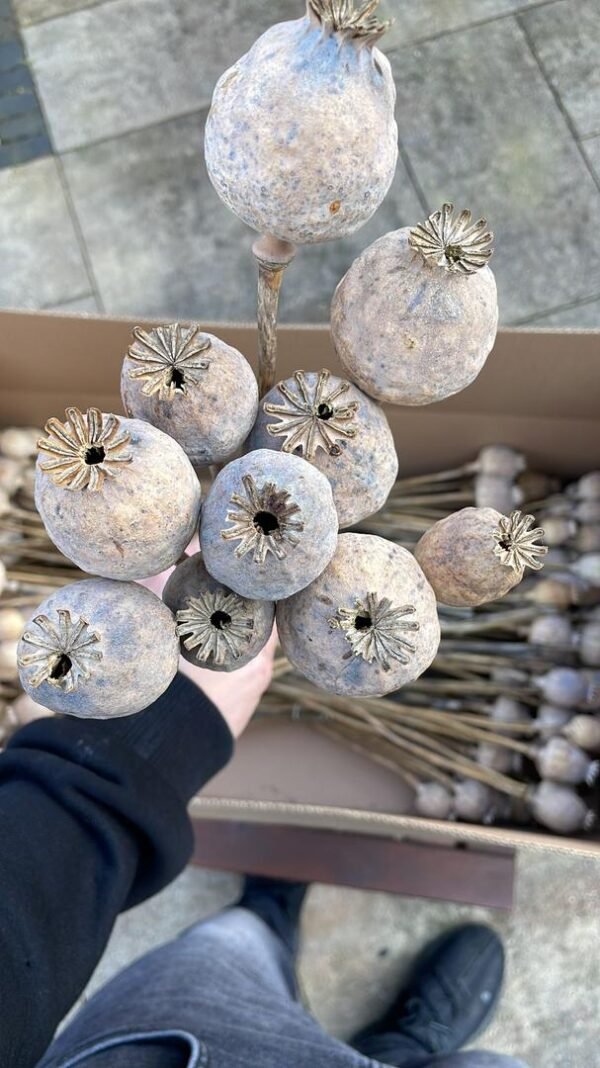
{"x":397,"y":826}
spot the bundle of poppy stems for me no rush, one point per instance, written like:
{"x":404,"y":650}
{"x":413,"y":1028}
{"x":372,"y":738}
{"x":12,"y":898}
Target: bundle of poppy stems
{"x":505,"y":725}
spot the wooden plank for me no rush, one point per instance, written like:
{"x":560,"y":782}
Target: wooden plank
{"x":471,"y":876}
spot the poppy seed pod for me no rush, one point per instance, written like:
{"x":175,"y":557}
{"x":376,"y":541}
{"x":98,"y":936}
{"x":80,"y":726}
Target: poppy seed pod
{"x":497,"y":757}
{"x":194,"y":387}
{"x":550,"y":719}
{"x":587,"y":567}
{"x":269,"y":525}
{"x":500,"y":461}
{"x":584,"y":731}
{"x":560,"y":809}
{"x":588,"y":487}
{"x":558,"y":529}
{"x":99,"y":649}
{"x":507,"y":710}
{"x":340,"y":430}
{"x":477,"y":555}
{"x":19,"y":442}
{"x":589,"y":643}
{"x":554,"y":631}
{"x":415,"y":317}
{"x":12,"y":622}
{"x":495,"y":491}
{"x":475,"y":801}
{"x":434,"y":801}
{"x":560,"y":761}
{"x":314,"y":82}
{"x":587,"y":538}
{"x":588,"y":511}
{"x":217,"y":628}
{"x":367,"y":625}
{"x":563,"y":686}
{"x":117,"y":496}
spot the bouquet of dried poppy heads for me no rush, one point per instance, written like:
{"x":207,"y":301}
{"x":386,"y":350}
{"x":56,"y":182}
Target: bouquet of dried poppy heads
{"x":301,"y":143}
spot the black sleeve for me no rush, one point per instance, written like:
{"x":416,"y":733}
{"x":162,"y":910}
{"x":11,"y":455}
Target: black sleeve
{"x":92,"y":821}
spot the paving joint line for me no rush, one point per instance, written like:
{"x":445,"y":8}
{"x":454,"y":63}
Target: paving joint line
{"x":135,"y":130}
{"x":579,"y":302}
{"x":557,"y":97}
{"x":474,"y":25}
{"x":412,"y":175}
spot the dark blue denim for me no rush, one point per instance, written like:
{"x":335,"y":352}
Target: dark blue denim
{"x":222,"y":995}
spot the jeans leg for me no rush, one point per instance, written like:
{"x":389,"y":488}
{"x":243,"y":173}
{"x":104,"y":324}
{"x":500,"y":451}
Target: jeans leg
{"x":226,"y":984}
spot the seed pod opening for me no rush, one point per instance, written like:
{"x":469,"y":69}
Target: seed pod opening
{"x":269,"y":525}
{"x":99,"y":649}
{"x":192,"y":386}
{"x":367,"y":625}
{"x":217,"y":628}
{"x":336,"y":427}
{"x":117,"y":496}
{"x":304,"y":84}
{"x":409,"y":349}
{"x":477,"y":555}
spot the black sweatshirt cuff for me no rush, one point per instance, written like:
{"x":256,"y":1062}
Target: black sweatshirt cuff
{"x":182,"y":735}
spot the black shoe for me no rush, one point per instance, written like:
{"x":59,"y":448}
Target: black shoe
{"x":450,"y":997}
{"x":278,"y":903}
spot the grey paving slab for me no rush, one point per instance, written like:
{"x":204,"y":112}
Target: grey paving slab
{"x":161,"y":242}
{"x":427,"y":18}
{"x":119,"y":66}
{"x":566,"y":37}
{"x":357,"y":946}
{"x":29,"y":12}
{"x":40,"y":256}
{"x":481,"y":128}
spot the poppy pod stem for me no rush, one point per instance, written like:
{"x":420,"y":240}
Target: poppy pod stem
{"x":272,"y":257}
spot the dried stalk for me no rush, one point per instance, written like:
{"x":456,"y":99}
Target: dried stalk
{"x":272,"y":257}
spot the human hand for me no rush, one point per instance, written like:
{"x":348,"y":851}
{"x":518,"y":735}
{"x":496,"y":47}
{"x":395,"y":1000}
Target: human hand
{"x":235,"y":693}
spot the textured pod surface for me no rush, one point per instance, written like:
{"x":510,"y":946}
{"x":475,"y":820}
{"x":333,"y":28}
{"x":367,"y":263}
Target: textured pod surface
{"x":298,"y":91}
{"x":368,"y":625}
{"x":99,"y":649}
{"x":142,"y":513}
{"x":217,"y":628}
{"x":195,"y":387}
{"x":457,"y":556}
{"x":335,"y":426}
{"x":410,"y":333}
{"x":269,"y":525}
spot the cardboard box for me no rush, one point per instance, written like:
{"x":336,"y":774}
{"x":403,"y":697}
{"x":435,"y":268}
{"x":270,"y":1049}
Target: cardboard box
{"x":539,"y":391}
